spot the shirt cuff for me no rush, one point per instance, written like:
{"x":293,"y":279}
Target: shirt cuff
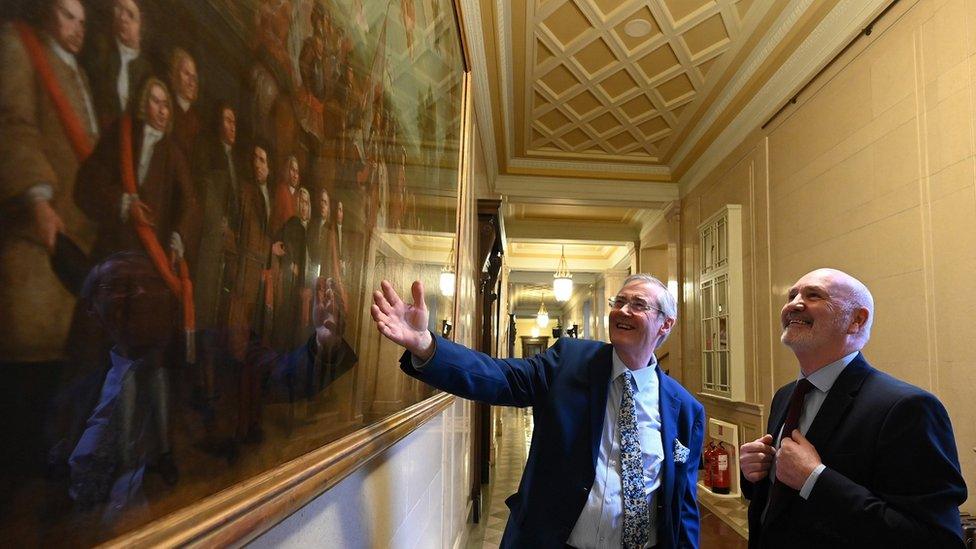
{"x":39,"y":192}
{"x":419,"y":364}
{"x":811,"y":480}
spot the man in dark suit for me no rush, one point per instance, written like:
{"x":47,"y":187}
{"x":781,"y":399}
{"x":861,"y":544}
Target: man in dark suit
{"x":614,"y":455}
{"x":852,"y":456}
{"x":116,"y":64}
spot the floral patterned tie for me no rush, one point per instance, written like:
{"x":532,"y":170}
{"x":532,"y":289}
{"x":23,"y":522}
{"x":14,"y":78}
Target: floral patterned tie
{"x":631,"y":471}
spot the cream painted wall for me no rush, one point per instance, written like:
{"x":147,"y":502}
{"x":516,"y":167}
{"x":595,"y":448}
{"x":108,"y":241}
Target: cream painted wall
{"x":874,"y":173}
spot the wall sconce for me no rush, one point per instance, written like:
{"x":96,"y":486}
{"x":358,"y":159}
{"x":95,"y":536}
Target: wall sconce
{"x":562,"y":281}
{"x":446,"y":328}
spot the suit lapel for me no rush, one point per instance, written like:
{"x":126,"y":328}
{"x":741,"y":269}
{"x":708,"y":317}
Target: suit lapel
{"x":599,"y":385}
{"x":777,"y":416}
{"x":668,"y":405}
{"x":114,"y":64}
{"x":838,"y":400}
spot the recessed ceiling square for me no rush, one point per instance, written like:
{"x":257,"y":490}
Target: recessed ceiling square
{"x":679,"y":110}
{"x":632,"y":42}
{"x":621,"y":140}
{"x":658,"y":61}
{"x":637,"y":106}
{"x":553,"y":120}
{"x":608,"y":6}
{"x":652,"y":126}
{"x":559,"y":80}
{"x":595,"y":56}
{"x":583,"y":103}
{"x":706,"y":66}
{"x":542,"y":53}
{"x":604,"y":123}
{"x":567,"y":22}
{"x":680,"y":9}
{"x":537,"y":138}
{"x":618,"y":84}
{"x":707,"y":34}
{"x":539,"y":100}
{"x":575,"y":138}
{"x":676,"y":88}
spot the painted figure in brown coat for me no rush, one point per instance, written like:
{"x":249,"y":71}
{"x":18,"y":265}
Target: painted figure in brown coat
{"x":165,"y":192}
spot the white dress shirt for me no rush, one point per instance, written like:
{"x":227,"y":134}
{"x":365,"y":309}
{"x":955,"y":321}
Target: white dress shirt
{"x":601,"y":522}
{"x":150,"y":136}
{"x":231,"y":169}
{"x":263,"y":187}
{"x":126,"y":56}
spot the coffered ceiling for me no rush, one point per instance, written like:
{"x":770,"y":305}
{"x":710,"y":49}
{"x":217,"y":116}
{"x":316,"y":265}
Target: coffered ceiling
{"x":595,"y":116}
{"x":640,"y":90}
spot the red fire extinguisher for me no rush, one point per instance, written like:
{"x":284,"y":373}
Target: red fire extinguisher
{"x":721,"y":477}
{"x":707,"y":477}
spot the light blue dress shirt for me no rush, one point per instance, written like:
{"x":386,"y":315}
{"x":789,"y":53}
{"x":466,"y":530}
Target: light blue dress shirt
{"x":601,"y":522}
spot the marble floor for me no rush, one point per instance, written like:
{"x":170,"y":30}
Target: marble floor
{"x":511,"y":452}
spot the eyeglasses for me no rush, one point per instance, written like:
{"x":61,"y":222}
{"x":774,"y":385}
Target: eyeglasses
{"x":636,"y":306}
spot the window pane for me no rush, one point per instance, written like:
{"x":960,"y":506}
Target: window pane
{"x":723,"y":333}
{"x":708,"y":305}
{"x":722,"y":239}
{"x":722,"y":295}
{"x":707,"y":370}
{"x":723,"y":371}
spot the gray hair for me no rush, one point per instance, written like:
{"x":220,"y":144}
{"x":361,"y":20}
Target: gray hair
{"x":667,"y":304}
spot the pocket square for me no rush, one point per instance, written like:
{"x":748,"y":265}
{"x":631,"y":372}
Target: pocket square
{"x":681,"y":452}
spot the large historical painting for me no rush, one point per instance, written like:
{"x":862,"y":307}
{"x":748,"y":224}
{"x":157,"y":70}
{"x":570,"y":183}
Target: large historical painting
{"x":198,"y":198}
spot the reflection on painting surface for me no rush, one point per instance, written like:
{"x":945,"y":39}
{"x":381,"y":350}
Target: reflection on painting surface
{"x":197,"y":199}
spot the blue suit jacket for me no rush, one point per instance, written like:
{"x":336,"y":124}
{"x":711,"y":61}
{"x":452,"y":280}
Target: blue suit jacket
{"x":892,"y":476}
{"x":567,"y":388}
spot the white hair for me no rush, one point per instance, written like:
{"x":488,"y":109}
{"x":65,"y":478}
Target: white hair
{"x":667,"y":304}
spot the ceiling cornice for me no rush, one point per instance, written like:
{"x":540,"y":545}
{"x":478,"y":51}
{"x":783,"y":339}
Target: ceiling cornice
{"x":564,"y":231}
{"x":830,"y":36}
{"x":744,"y":74}
{"x":561,"y":190}
{"x":480,"y":84}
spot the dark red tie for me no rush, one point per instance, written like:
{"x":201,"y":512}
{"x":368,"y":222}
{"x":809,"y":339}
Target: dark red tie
{"x":778,"y":490}
{"x":800,"y":391}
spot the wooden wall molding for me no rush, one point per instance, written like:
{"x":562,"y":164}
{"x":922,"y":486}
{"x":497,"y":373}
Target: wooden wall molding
{"x":239,"y":514}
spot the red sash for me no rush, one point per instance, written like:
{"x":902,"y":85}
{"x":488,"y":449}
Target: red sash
{"x":76,"y":133}
{"x":181,"y":286}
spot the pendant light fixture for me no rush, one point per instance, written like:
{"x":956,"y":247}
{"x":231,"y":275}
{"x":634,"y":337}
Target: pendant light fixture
{"x":562,"y":281}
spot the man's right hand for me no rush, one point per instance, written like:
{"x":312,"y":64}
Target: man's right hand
{"x":402,"y":323}
{"x":47,"y":224}
{"x":756,"y":458}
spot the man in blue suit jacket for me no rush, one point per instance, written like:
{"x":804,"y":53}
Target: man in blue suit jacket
{"x":573,"y":490}
{"x":868,"y":460}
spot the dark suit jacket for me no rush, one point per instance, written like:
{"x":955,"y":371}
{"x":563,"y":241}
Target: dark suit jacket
{"x":892,"y":476}
{"x":567,"y":388}
{"x":102,"y":61}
